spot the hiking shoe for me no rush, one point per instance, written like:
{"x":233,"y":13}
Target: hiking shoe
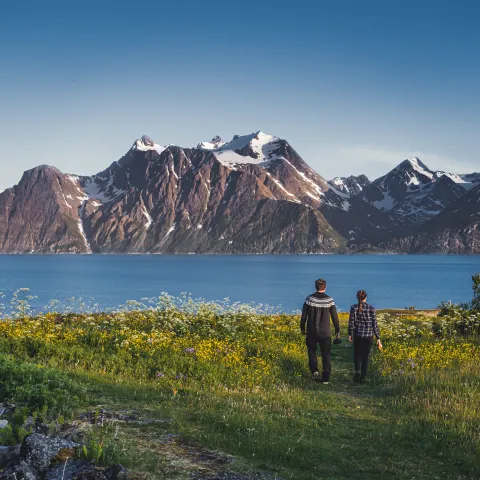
{"x":316,"y":377}
{"x":356,"y":378}
{"x":327,"y":383}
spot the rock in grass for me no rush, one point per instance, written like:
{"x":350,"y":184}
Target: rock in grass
{"x":69,"y":470}
{"x":117,"y":472}
{"x":3,"y":424}
{"x":39,"y":450}
{"x":94,"y":474}
{"x":20,"y":471}
{"x":8,"y":454}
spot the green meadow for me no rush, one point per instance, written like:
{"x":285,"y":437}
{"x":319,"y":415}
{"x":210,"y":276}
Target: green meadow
{"x":217,"y":388}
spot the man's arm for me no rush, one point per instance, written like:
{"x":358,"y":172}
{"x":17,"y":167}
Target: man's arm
{"x":334,"y":316}
{"x":303,"y":321}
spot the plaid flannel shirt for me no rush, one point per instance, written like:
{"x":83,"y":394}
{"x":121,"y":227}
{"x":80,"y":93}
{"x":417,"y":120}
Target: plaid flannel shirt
{"x":363,"y":324}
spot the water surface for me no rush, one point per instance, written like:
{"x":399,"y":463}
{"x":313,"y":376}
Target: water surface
{"x":392,"y":281}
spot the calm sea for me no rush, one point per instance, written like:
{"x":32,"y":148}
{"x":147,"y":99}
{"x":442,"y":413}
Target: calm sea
{"x":393,"y":281}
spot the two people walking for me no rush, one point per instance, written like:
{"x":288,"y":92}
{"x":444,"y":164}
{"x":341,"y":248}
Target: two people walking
{"x":318,"y":311}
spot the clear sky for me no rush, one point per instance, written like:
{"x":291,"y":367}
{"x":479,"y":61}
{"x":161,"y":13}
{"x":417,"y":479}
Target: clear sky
{"x":354,"y":86}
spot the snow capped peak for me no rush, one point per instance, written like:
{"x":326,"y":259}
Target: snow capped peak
{"x":352,"y":185}
{"x":145,"y":144}
{"x":416,"y":171}
{"x":214,"y":143}
{"x":255,"y":140}
{"x":338,"y":181}
{"x":416,"y":164}
{"x":255,"y":148}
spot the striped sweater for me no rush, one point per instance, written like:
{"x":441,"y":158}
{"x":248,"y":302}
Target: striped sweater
{"x":318,"y":310}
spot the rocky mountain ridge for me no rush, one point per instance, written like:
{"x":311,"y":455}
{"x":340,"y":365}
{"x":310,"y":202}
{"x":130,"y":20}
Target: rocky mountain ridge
{"x":253,"y":194}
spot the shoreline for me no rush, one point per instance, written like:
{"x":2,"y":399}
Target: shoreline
{"x":188,"y":254}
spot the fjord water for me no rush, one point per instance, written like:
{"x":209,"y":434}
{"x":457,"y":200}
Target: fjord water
{"x":392,"y":281}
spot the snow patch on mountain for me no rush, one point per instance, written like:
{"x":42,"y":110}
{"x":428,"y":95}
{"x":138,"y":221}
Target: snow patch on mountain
{"x":81,"y":215}
{"x":216,"y":142}
{"x":256,"y":148}
{"x":295,"y":199}
{"x":315,"y":186}
{"x":148,"y":218}
{"x":466,"y":180}
{"x":145,"y":144}
{"x":352,"y":185}
{"x":419,"y":167}
{"x":340,"y":183}
{"x":103,"y":192}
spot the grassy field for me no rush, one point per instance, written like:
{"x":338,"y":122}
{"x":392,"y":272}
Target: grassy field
{"x":234,"y":379}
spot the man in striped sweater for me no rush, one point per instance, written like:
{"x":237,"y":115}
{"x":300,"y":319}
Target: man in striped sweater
{"x":318,"y":309}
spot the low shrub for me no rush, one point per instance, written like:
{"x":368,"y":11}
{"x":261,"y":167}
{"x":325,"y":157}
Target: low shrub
{"x":462,"y":319}
{"x":39,"y":388}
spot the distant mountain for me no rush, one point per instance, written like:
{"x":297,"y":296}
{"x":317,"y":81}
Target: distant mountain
{"x":469,"y":180}
{"x":42,"y":214}
{"x":455,"y":230}
{"x":411,"y":193}
{"x":252,"y":194}
{"x":352,"y":185}
{"x":214,"y":143}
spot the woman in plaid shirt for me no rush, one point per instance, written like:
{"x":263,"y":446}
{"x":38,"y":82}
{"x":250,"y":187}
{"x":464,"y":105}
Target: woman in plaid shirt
{"x":362,"y":325}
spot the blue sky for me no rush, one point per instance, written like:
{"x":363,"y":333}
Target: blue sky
{"x":354,"y":86}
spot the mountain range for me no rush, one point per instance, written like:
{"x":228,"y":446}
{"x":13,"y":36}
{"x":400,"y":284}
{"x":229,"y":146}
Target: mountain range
{"x":253,"y":194}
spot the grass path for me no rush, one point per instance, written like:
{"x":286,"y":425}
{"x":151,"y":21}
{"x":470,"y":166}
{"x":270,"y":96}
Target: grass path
{"x":300,"y":430}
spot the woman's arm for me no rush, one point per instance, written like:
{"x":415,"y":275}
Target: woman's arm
{"x":376,"y":332}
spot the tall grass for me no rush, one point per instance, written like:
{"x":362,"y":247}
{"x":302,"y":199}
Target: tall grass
{"x":234,"y":377}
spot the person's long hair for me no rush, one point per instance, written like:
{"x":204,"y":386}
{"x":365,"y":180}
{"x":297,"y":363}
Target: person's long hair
{"x":361,"y":296}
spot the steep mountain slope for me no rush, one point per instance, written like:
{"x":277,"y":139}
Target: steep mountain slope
{"x":185,"y":200}
{"x":42,"y":214}
{"x":357,"y":222}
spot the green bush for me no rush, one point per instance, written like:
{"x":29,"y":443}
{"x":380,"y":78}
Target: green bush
{"x":476,"y":292}
{"x":15,"y":431}
{"x":463,"y":319}
{"x":39,"y":388}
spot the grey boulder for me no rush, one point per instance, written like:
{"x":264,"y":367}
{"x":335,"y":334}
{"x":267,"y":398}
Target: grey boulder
{"x":19,"y":471}
{"x":39,"y":450}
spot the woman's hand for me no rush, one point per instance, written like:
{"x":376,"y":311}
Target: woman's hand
{"x":350,"y":339}
{"x":379,"y":344}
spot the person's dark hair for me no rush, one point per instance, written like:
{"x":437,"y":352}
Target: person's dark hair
{"x":320,"y":284}
{"x":361,"y":296}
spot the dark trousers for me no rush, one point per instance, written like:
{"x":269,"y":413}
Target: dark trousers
{"x":325,"y":350}
{"x":361,"y":353}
